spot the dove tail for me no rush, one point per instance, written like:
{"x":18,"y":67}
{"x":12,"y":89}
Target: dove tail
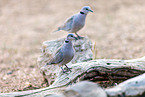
{"x":59,"y":28}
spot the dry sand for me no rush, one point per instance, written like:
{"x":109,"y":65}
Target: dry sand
{"x":117,"y":27}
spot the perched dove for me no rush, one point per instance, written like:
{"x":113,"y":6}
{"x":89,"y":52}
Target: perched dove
{"x":75,"y":22}
{"x":64,"y":54}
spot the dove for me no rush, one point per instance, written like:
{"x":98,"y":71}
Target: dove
{"x":64,"y":54}
{"x":76,"y":22}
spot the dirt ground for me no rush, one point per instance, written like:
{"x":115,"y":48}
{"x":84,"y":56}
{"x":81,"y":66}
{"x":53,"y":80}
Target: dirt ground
{"x":117,"y":27}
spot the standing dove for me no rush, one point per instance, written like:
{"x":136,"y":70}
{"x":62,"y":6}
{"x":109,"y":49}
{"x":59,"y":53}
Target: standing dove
{"x":64,"y":54}
{"x":76,"y":22}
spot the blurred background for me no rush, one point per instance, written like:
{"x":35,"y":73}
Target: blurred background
{"x":117,"y":27}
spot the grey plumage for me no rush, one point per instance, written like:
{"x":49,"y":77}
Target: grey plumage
{"x":64,"y":54}
{"x":76,"y":22}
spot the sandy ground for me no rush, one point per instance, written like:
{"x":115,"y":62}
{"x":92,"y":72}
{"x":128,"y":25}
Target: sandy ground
{"x":117,"y":27}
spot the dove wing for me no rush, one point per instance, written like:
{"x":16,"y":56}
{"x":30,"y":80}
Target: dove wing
{"x":57,"y":58}
{"x":68,"y":24}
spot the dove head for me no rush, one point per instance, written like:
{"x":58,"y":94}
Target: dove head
{"x":86,"y":9}
{"x":71,"y":37}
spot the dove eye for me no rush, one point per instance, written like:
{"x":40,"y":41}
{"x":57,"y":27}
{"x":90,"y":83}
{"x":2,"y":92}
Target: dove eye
{"x":86,"y":8}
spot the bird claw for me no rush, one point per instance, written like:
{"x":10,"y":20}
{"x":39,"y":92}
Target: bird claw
{"x":69,"y":69}
{"x":79,"y":37}
{"x":65,"y":71}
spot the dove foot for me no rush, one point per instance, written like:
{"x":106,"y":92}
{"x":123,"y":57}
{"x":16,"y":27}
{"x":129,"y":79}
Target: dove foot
{"x":79,"y":37}
{"x":65,"y":71}
{"x":68,"y":69}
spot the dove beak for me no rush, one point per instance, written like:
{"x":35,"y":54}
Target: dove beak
{"x":91,"y":10}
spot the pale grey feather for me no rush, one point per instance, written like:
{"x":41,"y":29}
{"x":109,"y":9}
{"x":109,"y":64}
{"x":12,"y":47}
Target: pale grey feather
{"x":64,"y":54}
{"x":76,"y":22}
{"x":57,"y":57}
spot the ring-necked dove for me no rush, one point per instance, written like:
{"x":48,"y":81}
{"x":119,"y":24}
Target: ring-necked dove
{"x":64,"y":54}
{"x":76,"y":22}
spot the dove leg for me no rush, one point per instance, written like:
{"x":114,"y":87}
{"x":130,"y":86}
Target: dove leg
{"x":79,"y":37}
{"x":69,"y":69}
{"x":62,"y":70}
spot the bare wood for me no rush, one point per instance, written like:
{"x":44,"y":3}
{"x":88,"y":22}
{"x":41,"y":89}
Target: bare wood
{"x":134,"y":87}
{"x":82,"y":71}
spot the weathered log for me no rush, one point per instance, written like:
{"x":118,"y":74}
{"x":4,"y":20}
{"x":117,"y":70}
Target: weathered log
{"x":82,"y":71}
{"x":83,"y":52}
{"x":134,"y":87}
{"x":108,"y":71}
{"x":85,"y":89}
{"x":102,"y":70}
